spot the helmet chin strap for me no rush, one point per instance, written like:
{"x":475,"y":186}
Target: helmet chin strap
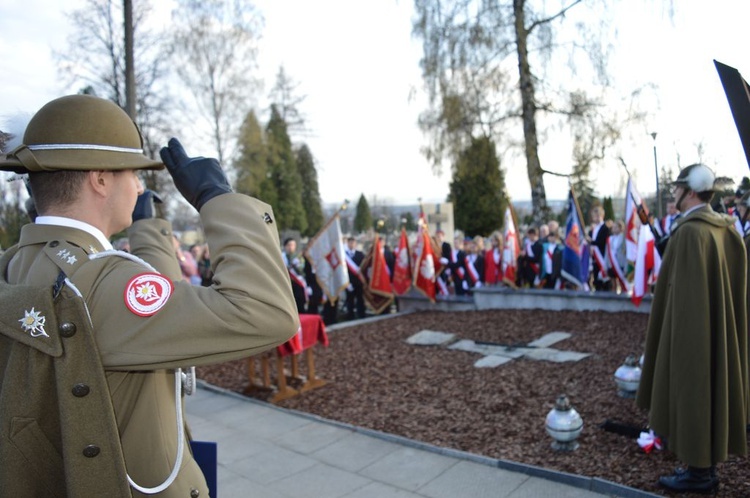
{"x":682,"y":197}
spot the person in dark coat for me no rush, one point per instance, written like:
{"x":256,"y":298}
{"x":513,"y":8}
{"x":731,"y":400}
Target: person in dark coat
{"x":355,"y":300}
{"x":695,"y":372}
{"x":598,"y":234}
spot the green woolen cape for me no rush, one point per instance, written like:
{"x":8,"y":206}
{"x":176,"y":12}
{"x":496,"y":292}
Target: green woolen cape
{"x":695,"y":372}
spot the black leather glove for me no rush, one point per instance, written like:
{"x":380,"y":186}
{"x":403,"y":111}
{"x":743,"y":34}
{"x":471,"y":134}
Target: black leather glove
{"x":144,"y":206}
{"x":198,"y":179}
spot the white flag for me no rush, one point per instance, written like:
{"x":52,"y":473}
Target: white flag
{"x":326,"y":254}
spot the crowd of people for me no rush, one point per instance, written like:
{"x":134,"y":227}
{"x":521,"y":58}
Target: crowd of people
{"x":469,"y":263}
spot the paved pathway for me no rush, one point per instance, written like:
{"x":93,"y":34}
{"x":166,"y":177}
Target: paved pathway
{"x":268,"y":452}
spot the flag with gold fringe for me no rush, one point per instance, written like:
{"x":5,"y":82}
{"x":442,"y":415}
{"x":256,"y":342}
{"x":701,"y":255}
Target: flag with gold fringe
{"x":377,"y":290}
{"x":327,"y":257}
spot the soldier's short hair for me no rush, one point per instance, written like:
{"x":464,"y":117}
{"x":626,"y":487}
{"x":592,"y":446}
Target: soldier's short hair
{"x":56,"y":188}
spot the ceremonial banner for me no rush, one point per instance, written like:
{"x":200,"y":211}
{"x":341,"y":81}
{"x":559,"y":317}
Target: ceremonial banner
{"x":374,"y":272}
{"x":424,"y":262}
{"x":647,"y":264}
{"x":632,"y":227}
{"x":575,"y":261}
{"x":511,"y":250}
{"x":402,"y":276}
{"x":327,"y":256}
{"x":616,"y":259}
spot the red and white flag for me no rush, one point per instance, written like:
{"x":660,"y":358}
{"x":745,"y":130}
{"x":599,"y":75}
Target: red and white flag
{"x":328,"y":258}
{"x":378,"y":279}
{"x":424,"y":261}
{"x":511,"y":250}
{"x":402,"y":269}
{"x":647,"y":264}
{"x":374,"y":271}
{"x":632,"y":225}
{"x":615,"y":255}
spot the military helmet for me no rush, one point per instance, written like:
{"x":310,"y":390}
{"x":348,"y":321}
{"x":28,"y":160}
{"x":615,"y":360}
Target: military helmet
{"x":79,"y":132}
{"x":696,"y":177}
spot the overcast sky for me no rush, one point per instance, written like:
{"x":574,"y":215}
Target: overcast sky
{"x":358,"y":65}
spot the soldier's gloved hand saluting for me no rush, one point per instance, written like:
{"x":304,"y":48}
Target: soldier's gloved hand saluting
{"x":199,"y":179}
{"x":145,"y":206}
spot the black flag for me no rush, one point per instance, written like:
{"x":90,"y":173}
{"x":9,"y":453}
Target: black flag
{"x":738,"y":95}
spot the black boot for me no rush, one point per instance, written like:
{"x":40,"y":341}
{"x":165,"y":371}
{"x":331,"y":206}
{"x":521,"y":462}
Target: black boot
{"x":692,"y":479}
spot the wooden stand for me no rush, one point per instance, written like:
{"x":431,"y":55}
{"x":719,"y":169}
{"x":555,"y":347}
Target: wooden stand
{"x":312,"y":381}
{"x":282,"y":390}
{"x":253,"y":385}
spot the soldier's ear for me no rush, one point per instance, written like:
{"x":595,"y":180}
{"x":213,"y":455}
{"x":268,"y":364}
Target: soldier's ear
{"x":100,"y":180}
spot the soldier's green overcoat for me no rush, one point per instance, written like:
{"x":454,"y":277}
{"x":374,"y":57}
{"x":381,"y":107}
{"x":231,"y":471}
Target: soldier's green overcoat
{"x":695,"y":373}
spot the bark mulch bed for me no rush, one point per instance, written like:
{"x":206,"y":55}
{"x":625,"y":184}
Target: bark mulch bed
{"x":436,"y":395}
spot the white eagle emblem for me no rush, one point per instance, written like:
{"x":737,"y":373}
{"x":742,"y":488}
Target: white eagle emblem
{"x":33,"y":322}
{"x":427,"y":269}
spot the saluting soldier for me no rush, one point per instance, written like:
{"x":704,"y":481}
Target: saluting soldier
{"x":695,"y":377}
{"x":92,"y":339}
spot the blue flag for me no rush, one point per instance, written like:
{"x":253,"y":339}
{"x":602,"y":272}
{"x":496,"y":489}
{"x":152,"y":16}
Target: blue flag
{"x":575,"y":260}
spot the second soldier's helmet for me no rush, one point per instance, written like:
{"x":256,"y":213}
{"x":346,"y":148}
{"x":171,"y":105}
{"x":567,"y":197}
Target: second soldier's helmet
{"x":696,"y":177}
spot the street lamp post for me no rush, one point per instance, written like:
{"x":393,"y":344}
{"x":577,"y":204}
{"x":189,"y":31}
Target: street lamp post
{"x":656,"y":170}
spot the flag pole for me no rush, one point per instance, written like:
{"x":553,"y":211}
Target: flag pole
{"x":578,"y":210}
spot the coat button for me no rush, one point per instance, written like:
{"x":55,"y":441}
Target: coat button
{"x":194,"y":493}
{"x":67,"y":329}
{"x":54,"y":243}
{"x":164,"y":231}
{"x":91,"y":451}
{"x":80,"y":390}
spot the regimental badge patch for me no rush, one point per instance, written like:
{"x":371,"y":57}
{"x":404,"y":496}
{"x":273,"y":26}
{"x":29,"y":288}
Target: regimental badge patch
{"x":147,"y":293}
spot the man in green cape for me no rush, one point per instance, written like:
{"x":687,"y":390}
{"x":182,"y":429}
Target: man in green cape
{"x":695,"y":372}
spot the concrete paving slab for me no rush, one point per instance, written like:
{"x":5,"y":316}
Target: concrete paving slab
{"x":272,"y":465}
{"x":311,"y":437}
{"x":354,"y":452}
{"x":555,"y":355}
{"x":233,"y":485}
{"x":207,"y":403}
{"x":234,"y":446}
{"x":486,"y":349}
{"x":260,"y":421}
{"x":536,"y":487}
{"x":408,"y":468}
{"x":492,"y":361}
{"x":472,"y":480}
{"x":549,"y":339}
{"x":430,"y":338}
{"x":320,"y":481}
{"x":380,"y":490}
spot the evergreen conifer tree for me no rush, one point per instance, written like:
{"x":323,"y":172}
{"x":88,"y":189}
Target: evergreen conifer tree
{"x":282,"y":171}
{"x":478,"y":189}
{"x":311,"y":202}
{"x":363,"y":218}
{"x":250,"y":166}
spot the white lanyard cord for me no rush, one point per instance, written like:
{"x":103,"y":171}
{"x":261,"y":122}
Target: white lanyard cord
{"x":180,"y":442}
